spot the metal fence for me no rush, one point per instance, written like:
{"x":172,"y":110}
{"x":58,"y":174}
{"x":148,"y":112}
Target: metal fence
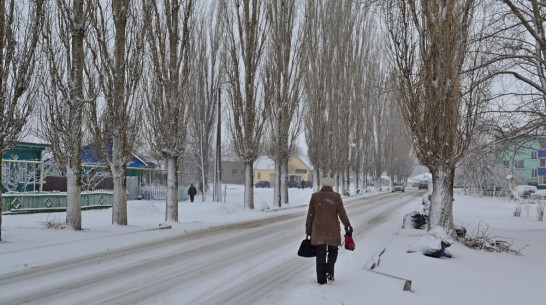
{"x":158,"y":192}
{"x":52,"y":202}
{"x":154,"y":192}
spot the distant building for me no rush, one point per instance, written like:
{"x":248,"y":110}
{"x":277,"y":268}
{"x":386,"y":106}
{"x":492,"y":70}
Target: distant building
{"x":233,"y":172}
{"x":264,"y":170}
{"x":526,"y":162}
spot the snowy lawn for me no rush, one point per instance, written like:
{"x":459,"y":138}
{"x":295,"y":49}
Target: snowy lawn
{"x":469,"y":277}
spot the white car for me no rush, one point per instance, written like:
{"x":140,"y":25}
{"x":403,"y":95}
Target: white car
{"x":398,"y":186}
{"x":525,"y":191}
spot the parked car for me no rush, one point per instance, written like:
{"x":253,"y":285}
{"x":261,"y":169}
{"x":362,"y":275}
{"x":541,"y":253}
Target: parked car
{"x":525,"y":191}
{"x":398,"y":186}
{"x":294,"y":184}
{"x":264,"y":184}
{"x":539,"y":195}
{"x":423,"y":185}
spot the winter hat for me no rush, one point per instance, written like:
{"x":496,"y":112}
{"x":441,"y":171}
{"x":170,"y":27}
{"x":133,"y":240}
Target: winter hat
{"x":327,"y":181}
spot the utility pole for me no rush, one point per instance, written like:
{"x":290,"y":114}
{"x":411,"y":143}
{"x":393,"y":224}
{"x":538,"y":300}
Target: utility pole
{"x":218,"y":163}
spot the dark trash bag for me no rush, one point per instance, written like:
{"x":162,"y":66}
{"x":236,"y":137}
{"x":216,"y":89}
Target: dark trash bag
{"x":306,"y":249}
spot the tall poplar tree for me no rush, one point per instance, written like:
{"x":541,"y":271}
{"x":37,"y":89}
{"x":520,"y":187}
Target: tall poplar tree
{"x":20,"y":26}
{"x":169,"y":30}
{"x":65,"y":95}
{"x":116,"y":43}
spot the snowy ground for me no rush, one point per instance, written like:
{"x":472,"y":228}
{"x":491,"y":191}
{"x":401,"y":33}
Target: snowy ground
{"x":469,"y":277}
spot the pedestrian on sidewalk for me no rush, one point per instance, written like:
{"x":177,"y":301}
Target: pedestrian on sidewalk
{"x":192,"y":191}
{"x":322,"y":224}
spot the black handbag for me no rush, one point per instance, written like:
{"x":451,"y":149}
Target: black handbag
{"x":306,"y":249}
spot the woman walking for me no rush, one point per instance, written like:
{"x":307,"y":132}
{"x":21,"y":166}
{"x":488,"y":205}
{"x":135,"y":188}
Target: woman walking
{"x":325,"y":210}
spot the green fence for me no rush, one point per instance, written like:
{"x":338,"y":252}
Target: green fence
{"x":52,"y":202}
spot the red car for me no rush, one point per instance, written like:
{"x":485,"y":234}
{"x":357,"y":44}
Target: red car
{"x":423,"y":185}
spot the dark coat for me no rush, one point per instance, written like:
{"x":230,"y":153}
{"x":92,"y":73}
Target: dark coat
{"x":325,"y":210}
{"x":192,"y":191}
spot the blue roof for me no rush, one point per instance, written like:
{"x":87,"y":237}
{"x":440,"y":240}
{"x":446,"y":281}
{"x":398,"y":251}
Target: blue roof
{"x":90,"y":157}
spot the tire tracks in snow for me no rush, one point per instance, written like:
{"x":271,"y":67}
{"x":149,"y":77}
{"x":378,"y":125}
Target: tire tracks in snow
{"x":242,"y":261}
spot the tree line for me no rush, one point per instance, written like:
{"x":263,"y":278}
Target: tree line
{"x":357,"y":78}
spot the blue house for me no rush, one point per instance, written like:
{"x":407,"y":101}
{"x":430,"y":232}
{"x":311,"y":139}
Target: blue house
{"x":92,"y":158}
{"x":138,"y":172}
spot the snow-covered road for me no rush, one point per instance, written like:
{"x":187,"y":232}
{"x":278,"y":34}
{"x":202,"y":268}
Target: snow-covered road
{"x":242,"y":263}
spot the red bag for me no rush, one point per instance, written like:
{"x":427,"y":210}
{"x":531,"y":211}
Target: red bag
{"x":349,"y":243}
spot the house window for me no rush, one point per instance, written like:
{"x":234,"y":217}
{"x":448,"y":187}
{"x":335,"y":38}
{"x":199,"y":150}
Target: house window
{"x":518,"y":164}
{"x":542,"y":163}
{"x":542,"y":143}
{"x":534,"y":173}
{"x":534,"y":155}
{"x":259,"y":176}
{"x":234,"y":171}
{"x":506,"y":164}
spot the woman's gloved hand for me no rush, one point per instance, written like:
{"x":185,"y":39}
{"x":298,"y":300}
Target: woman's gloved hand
{"x":349,"y":230}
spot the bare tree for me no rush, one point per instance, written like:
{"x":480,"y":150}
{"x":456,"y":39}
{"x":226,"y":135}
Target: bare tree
{"x":364,"y":83}
{"x":339,"y":41}
{"x":350,"y":44}
{"x":320,"y":102}
{"x":529,"y":47}
{"x":381,"y":115}
{"x":207,"y":88}
{"x":282,"y":79}
{"x":480,"y":166}
{"x":400,"y":159}
{"x":521,"y":50}
{"x":117,"y":49}
{"x":315,"y":76}
{"x":169,"y":39}
{"x":20,"y":26}
{"x":439,"y":102}
{"x":245,"y":27}
{"x":63,"y":87}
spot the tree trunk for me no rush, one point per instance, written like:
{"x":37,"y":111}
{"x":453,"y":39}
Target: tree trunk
{"x":357,"y":180}
{"x":119,"y":206}
{"x":73,"y":198}
{"x":336,"y":180}
{"x":284,"y":182}
{"x":441,"y":206}
{"x":377,"y":182}
{"x":171,"y":209}
{"x":348,"y":180}
{"x":249,"y":188}
{"x":1,"y":200}
{"x":316,"y":180}
{"x":277,"y":191}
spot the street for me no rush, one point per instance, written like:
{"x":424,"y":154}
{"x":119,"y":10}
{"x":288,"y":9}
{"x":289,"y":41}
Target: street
{"x":233,"y":264}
